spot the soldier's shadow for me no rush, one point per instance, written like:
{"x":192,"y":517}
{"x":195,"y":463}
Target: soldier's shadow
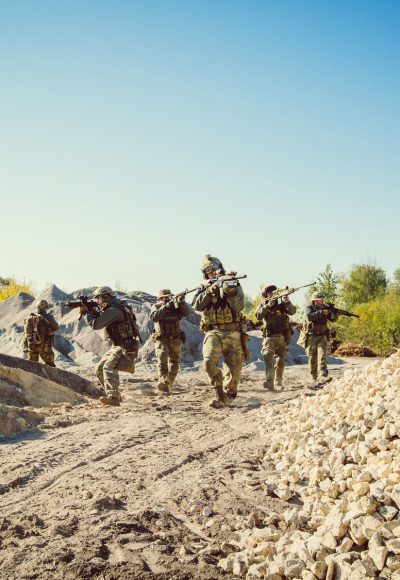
{"x":251,"y":403}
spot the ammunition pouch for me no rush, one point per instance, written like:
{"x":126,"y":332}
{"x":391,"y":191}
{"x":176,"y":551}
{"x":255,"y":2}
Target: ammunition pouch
{"x":222,"y":327}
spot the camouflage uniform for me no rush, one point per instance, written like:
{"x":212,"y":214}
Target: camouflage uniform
{"x":40,"y":328}
{"x":168,"y":337}
{"x":316,"y":340}
{"x":277,"y":334}
{"x":119,"y":322}
{"x":221,"y":322}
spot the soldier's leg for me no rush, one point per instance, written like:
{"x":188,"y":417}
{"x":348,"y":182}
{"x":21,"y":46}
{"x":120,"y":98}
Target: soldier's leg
{"x":162,"y":352}
{"x":110,"y":373}
{"x":233,"y":358}
{"x":268,"y":350}
{"x":322,"y":355}
{"x":311,"y":351}
{"x":48,"y":356}
{"x":281,"y":349}
{"x":212,"y":352}
{"x":175,"y":347}
{"x":33,"y":355}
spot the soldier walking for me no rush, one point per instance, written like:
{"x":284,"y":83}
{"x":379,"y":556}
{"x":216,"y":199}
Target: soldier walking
{"x":276,"y":334}
{"x":316,"y":334}
{"x":118,"y":319}
{"x":40,"y":328}
{"x":168,"y":336}
{"x":220,"y":306}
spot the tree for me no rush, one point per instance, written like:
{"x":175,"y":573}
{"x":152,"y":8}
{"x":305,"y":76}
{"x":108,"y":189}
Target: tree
{"x":396,"y":281}
{"x":364,"y":283}
{"x":327,"y":283}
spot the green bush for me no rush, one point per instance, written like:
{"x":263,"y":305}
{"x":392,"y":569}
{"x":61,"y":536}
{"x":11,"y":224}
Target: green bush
{"x":378,"y":326}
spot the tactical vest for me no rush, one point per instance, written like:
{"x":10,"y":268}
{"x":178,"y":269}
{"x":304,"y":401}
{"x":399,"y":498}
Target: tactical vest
{"x":219,"y":315}
{"x":124,"y":334}
{"x":276,"y":321}
{"x":37,"y":330}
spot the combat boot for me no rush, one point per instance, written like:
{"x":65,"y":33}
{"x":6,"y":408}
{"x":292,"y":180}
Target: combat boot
{"x":163,"y":386}
{"x":220,"y":399}
{"x":112,"y":401}
{"x":269,"y":385}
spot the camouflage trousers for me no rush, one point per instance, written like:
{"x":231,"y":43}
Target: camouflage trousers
{"x":225,"y":343}
{"x":168,"y":352}
{"x":45,"y":353}
{"x":317,"y":352}
{"x":116,"y":359}
{"x":274,"y":348}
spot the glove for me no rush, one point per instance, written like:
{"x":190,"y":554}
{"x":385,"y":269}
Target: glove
{"x":83,"y":309}
{"x":271,"y":302}
{"x":180,"y":298}
{"x":227,"y":289}
{"x":326,"y":312}
{"x":285,"y":298}
{"x":213,"y":289}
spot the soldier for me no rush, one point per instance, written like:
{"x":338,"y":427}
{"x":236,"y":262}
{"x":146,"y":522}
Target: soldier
{"x":316,"y":334}
{"x":220,"y":308}
{"x":119,"y":322}
{"x":277,"y":334}
{"x":40,"y":328}
{"x":168,"y":336}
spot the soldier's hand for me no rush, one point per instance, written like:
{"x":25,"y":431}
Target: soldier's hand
{"x":213,"y":289}
{"x":228,"y":289}
{"x":285,"y":298}
{"x":83,"y":309}
{"x":326,"y":312}
{"x":271,"y":302}
{"x":180,"y":298}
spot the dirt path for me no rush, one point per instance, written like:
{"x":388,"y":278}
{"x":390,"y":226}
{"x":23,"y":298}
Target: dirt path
{"x":147,"y":490}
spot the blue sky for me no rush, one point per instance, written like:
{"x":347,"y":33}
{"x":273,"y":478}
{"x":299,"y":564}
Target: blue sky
{"x":138,"y":136}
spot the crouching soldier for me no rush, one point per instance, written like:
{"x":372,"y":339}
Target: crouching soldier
{"x":40,"y":328}
{"x":118,"y":319}
{"x":168,"y":336}
{"x":276,"y":332}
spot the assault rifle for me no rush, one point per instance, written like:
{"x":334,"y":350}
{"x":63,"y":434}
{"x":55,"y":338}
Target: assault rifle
{"x":175,"y":298}
{"x":229,"y":279}
{"x":281,"y":292}
{"x":330,"y":306}
{"x":91,"y":305}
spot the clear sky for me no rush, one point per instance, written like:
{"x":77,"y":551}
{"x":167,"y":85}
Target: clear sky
{"x":137,"y":136}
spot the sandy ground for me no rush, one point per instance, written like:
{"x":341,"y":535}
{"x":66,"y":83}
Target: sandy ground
{"x":151,"y":489}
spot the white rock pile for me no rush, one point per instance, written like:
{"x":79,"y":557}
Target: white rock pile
{"x":337,"y":456}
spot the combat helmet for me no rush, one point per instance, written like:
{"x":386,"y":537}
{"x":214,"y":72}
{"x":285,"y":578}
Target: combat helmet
{"x":42,"y":305}
{"x":317,"y":296}
{"x":211,"y":263}
{"x":164,"y":292}
{"x":103,"y":290}
{"x":270,"y":288}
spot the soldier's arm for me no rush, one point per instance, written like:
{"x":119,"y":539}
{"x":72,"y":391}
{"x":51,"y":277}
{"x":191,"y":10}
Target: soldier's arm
{"x":104,"y":318}
{"x":315,"y":315}
{"x":236,"y":300}
{"x":333,"y":316}
{"x":184,"y":309}
{"x":52,"y":322}
{"x":201,"y":300}
{"x":158,"y":311}
{"x":290,"y":308}
{"x":262,"y":311}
